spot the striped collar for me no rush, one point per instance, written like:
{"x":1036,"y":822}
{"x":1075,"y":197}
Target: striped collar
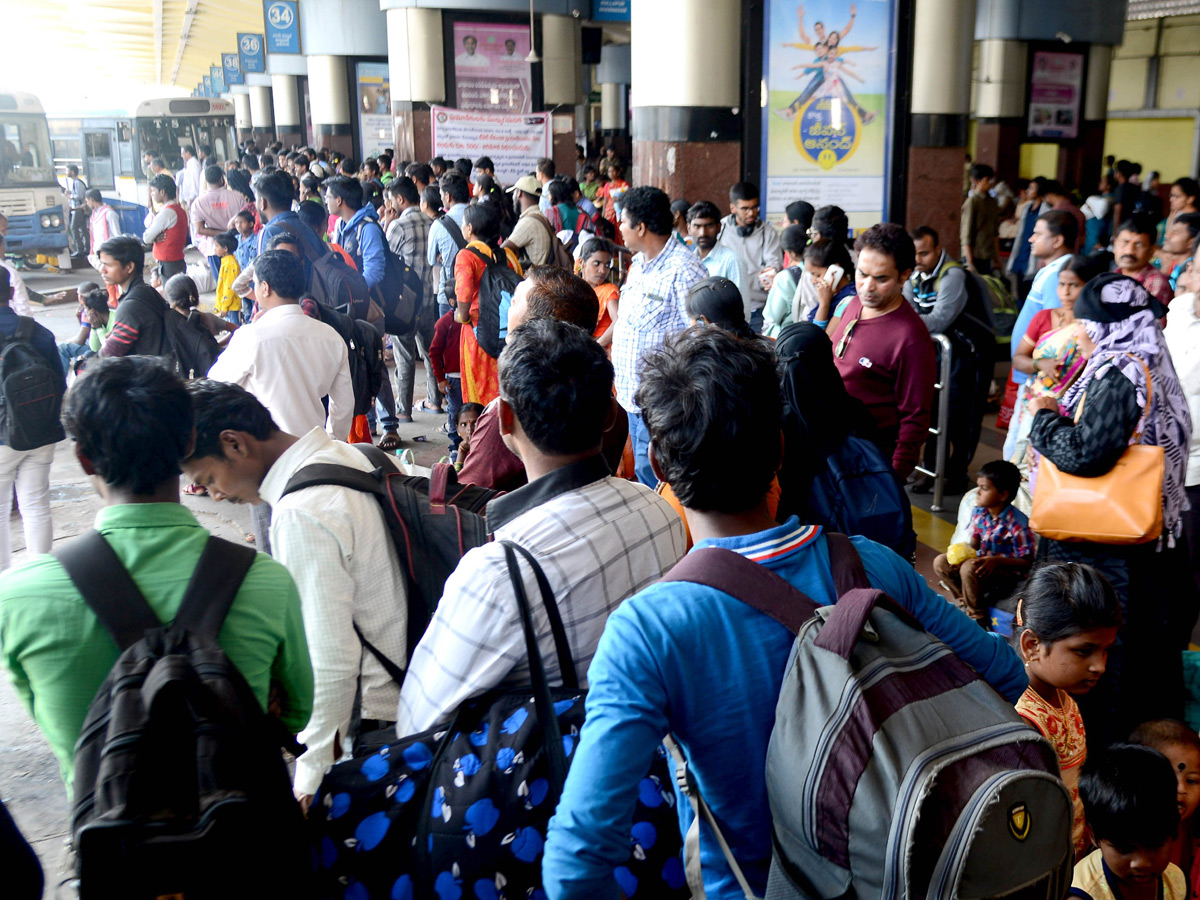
{"x":773,"y":543}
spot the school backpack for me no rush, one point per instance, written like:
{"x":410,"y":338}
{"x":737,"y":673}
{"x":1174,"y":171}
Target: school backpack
{"x":401,"y":293}
{"x":364,"y":350}
{"x":559,"y":255}
{"x":190,"y":344}
{"x":433,"y":522}
{"x":894,"y":769}
{"x":1001,"y":307}
{"x":462,"y":811}
{"x":497,"y":285}
{"x":31,"y":393}
{"x":855,"y":492}
{"x":330,"y":281}
{"x":180,"y":786}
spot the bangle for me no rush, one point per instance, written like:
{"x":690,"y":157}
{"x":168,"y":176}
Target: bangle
{"x":819,"y":324}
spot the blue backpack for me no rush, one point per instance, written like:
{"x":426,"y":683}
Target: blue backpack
{"x":497,"y":285}
{"x":855,"y":492}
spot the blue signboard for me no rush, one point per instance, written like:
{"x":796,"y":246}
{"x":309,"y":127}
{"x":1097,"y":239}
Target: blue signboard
{"x":218,"y":80}
{"x":610,"y":10}
{"x":232,"y":67}
{"x":208,"y":91}
{"x":250,"y":49}
{"x":283,"y":26}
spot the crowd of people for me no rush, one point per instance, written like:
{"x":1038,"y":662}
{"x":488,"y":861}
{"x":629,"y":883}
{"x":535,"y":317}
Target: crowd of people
{"x":636,"y":378}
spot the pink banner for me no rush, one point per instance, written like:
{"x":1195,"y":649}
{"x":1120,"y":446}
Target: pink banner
{"x":490,"y":71}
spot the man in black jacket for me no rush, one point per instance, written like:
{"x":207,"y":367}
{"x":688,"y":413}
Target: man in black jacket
{"x":138,"y":326}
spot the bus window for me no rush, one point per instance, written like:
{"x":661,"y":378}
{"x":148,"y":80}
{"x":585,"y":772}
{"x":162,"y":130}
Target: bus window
{"x":99,"y":159}
{"x":25,"y":150}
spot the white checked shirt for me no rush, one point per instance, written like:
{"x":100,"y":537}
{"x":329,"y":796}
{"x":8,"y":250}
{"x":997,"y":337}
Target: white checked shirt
{"x":336,"y":545}
{"x":598,"y":539}
{"x":652,"y":309}
{"x":289,"y":362}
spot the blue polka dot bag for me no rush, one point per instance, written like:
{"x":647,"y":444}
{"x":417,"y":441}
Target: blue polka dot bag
{"x":462,"y":813}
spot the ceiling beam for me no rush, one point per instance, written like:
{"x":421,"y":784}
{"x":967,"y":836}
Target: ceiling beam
{"x":158,"y":41}
{"x":189,"y":14}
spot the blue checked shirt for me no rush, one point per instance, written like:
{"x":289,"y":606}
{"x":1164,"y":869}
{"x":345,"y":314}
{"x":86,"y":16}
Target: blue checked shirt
{"x":652,"y":309}
{"x":408,"y":236}
{"x":442,"y":249}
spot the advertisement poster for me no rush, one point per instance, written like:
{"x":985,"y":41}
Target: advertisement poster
{"x":375,"y":132}
{"x":514,"y":142}
{"x":1055,"y":94}
{"x":490,"y":71}
{"x":826,"y":128}
{"x":283,"y":26}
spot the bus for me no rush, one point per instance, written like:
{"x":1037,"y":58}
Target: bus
{"x":113,"y":150}
{"x":31,"y":197}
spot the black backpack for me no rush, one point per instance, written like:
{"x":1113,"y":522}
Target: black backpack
{"x":31,"y":392}
{"x":400,"y":294}
{"x":180,"y":786}
{"x":329,"y":280}
{"x":433,"y":522}
{"x":364,"y":348}
{"x":497,"y":285}
{"x":190,"y":344}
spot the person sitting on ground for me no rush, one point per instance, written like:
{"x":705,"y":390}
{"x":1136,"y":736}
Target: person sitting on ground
{"x":883,"y":349}
{"x":595,"y":267}
{"x":1001,"y":539}
{"x":690,"y":660}
{"x":1129,"y":799}
{"x":464,"y":427}
{"x":184,"y":298}
{"x":1068,"y":616}
{"x":131,"y":424}
{"x":1181,"y":746}
{"x":785,"y":297}
{"x":93,"y":316}
{"x":598,"y":539}
{"x":335,"y":543}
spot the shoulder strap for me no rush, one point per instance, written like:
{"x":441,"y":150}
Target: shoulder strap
{"x":453,"y":230}
{"x":107,"y":587}
{"x":333,"y":474}
{"x":25,"y":326}
{"x":566,"y":662}
{"x":845,"y":564}
{"x":753,"y":584}
{"x":394,"y":671}
{"x":218,"y":576}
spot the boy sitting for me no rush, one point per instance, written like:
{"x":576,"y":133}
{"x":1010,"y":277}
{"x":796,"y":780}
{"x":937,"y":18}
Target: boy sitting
{"x":1001,"y":538}
{"x":1129,"y":798}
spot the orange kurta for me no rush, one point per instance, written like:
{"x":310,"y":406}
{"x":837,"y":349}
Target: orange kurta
{"x":480,"y":380}
{"x":605,"y":293}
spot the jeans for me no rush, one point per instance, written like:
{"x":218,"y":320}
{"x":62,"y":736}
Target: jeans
{"x":79,"y":232}
{"x":168,"y":268}
{"x":29,"y":472}
{"x":385,"y":402}
{"x":453,"y":397}
{"x":406,"y":350}
{"x":756,"y":320}
{"x":233,"y":317}
{"x":214,"y":265}
{"x":69,"y":352}
{"x":641,"y":446}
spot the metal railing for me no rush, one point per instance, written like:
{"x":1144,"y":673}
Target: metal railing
{"x":943,"y":423}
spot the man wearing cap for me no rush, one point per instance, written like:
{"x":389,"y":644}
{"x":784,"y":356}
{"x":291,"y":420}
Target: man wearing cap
{"x":531,"y":236}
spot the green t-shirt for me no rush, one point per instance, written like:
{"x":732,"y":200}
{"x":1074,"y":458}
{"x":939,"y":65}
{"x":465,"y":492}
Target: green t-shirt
{"x":57,"y":653}
{"x":100,"y":334}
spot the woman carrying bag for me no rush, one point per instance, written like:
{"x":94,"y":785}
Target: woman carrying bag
{"x":1124,"y":420}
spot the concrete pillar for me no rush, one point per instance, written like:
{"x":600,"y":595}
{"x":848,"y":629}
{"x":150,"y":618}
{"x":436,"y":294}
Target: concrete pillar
{"x":613,"y":76}
{"x":943,"y":43}
{"x":1084,"y":161}
{"x":687,"y":121}
{"x":614,"y":108}
{"x":262,"y":116}
{"x":416,"y":66}
{"x":329,"y":94}
{"x":562,"y":91}
{"x":999,"y":105}
{"x":241,"y":114}
{"x":289,"y":126}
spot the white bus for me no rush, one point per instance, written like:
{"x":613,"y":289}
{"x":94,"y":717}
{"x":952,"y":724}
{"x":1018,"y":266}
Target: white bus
{"x":31,"y":198}
{"x":112,"y":150}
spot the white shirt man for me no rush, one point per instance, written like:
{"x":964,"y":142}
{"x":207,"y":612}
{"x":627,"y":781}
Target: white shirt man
{"x":189,"y":179}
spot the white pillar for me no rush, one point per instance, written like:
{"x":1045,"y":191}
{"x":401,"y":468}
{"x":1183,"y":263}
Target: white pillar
{"x":329,"y":94}
{"x":1095,"y":97}
{"x":262,"y":116}
{"x":416,"y":63}
{"x":241,"y":111}
{"x":943,"y":42}
{"x":614,"y":115}
{"x":285,"y":94}
{"x":687,"y":53}
{"x":562,"y":55}
{"x":1000,"y":80}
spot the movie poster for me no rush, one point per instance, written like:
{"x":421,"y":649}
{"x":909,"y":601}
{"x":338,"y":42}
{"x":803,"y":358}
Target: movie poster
{"x":375,"y":129}
{"x":826,"y":127}
{"x":490,"y":71}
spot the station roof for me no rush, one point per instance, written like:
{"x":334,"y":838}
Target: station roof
{"x":168,"y":42}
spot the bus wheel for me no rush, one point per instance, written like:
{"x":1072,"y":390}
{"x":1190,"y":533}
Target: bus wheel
{"x":31,"y":262}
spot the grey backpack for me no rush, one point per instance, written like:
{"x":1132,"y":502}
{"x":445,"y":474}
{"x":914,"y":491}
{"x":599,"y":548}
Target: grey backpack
{"x":894,"y":770}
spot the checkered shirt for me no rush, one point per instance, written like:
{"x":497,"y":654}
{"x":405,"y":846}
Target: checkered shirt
{"x":408,"y":236}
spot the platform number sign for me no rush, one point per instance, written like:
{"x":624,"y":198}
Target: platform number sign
{"x":283,"y":26}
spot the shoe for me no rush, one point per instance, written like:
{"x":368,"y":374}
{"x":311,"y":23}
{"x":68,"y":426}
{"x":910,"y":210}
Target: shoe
{"x":923,"y":485}
{"x":424,"y":407}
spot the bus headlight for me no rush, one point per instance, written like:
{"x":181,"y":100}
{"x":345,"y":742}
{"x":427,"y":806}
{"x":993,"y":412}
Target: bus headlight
{"x":45,"y":221}
{"x":56,"y":221}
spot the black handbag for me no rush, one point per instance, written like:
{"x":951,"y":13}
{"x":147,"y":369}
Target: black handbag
{"x":463,"y":811}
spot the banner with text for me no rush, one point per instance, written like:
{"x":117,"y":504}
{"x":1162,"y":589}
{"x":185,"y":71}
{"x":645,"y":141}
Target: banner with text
{"x":282,"y":26}
{"x":1055,"y":95}
{"x":233,"y":68}
{"x":250,"y":51}
{"x":827,"y":127}
{"x":490,"y":71}
{"x":375,"y":129}
{"x":515,"y":142}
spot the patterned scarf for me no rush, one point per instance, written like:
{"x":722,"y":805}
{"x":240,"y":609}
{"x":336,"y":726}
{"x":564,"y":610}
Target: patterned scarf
{"x":1120,"y":317}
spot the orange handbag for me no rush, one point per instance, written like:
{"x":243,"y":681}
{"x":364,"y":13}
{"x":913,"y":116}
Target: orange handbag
{"x":1122,"y":506}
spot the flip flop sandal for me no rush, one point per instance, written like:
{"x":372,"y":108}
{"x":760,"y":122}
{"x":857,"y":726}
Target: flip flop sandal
{"x":389,"y":442}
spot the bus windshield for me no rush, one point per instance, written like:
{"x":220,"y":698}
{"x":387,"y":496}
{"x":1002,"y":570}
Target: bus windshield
{"x":167,"y":136}
{"x":25,"y":150}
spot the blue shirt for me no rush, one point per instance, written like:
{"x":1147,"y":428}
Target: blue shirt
{"x":1043,"y":295}
{"x":369,"y":243}
{"x":314,"y":247}
{"x":442,"y":246}
{"x":246,"y":249}
{"x":691,"y":660}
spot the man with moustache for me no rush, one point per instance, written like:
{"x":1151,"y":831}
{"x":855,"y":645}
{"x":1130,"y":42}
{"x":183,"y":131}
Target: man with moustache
{"x":704,"y":224}
{"x":1133,"y":248}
